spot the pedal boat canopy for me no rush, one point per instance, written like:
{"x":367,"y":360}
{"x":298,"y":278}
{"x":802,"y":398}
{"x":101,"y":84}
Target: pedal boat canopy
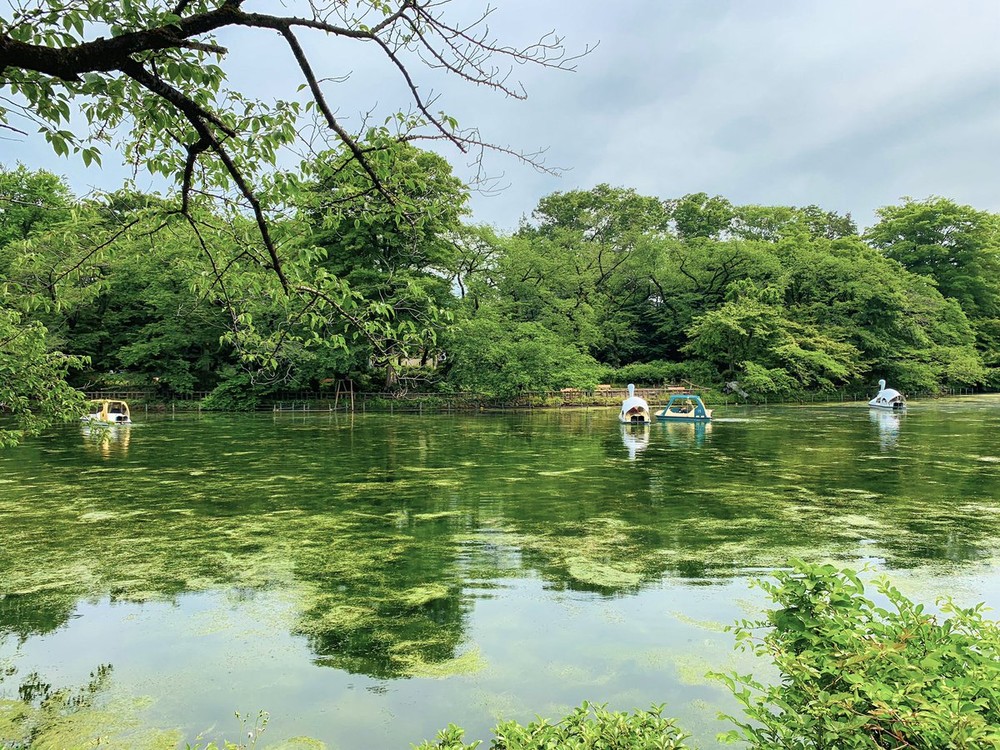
{"x":685,"y":407}
{"x":109,"y":411}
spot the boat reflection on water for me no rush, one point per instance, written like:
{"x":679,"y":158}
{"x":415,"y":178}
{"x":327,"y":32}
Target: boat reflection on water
{"x":106,"y":439}
{"x":887,"y":423}
{"x":635,"y":437}
{"x":685,"y":434}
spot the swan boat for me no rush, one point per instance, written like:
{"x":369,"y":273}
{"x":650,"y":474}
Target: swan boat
{"x":887,"y":398}
{"x":635,"y":410}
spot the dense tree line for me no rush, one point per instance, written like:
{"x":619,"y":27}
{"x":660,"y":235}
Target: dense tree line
{"x":780,"y":299}
{"x":357,"y":265}
{"x":597,"y":285}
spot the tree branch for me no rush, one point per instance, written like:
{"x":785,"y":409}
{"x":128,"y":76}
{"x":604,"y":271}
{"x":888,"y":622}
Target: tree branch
{"x":199,"y":119}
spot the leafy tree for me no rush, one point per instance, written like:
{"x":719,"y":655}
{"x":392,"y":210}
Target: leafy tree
{"x":809,"y":307}
{"x":744,"y":337}
{"x":828,"y":224}
{"x":148,"y":79}
{"x":822,"y":313}
{"x":400,"y":266}
{"x":686,"y":279}
{"x":477,"y":252}
{"x":750,"y":336}
{"x":698,"y":215}
{"x":937,"y":346}
{"x":115,"y":282}
{"x":496,"y":356}
{"x":772,"y":223}
{"x":30,"y":201}
{"x":33,"y":388}
{"x":148,"y":320}
{"x":574,"y":269}
{"x":603,"y":214}
{"x":851,"y":293}
{"x":157,"y":86}
{"x":988,"y":342}
{"x":957,"y":246}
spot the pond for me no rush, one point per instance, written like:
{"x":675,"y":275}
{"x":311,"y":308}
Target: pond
{"x":368,"y":579}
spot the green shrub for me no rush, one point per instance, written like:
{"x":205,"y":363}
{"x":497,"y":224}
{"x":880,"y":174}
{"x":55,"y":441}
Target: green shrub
{"x":652,"y":373}
{"x":589,"y":727}
{"x":236,"y":393}
{"x":503,"y":359}
{"x":605,"y":730}
{"x":856,"y":674}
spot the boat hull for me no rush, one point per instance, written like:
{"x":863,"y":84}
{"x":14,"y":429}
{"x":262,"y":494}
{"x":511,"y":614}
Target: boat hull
{"x":97,"y":420}
{"x":108,"y":411}
{"x":684,"y":417}
{"x":686,"y":407}
{"x":634,"y":417}
{"x":887,"y":407}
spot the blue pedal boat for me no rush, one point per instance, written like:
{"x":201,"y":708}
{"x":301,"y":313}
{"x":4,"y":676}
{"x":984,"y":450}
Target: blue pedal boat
{"x":684,"y":407}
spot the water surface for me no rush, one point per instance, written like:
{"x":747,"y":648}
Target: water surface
{"x":369,"y":579}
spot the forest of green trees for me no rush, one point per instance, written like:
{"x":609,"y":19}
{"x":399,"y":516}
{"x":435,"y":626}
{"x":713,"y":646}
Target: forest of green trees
{"x":360,"y":264}
{"x":602,"y":285}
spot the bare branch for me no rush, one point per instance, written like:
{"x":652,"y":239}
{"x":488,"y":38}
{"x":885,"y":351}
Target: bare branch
{"x":5,"y":126}
{"x":198,"y":116}
{"x":345,"y":137}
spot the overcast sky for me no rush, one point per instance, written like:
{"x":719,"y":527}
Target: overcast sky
{"x":848,"y":104}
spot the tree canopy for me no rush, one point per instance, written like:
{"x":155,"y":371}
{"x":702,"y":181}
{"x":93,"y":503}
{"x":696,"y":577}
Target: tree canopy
{"x":598,"y":286}
{"x":150,"y":81}
{"x":150,"y":78}
{"x":957,"y":246}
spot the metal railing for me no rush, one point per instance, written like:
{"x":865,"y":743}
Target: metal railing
{"x":318,"y":400}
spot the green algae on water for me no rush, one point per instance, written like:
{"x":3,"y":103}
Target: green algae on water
{"x":439,"y":515}
{"x":586,"y":570}
{"x":297,"y":743}
{"x":467,"y":663}
{"x":418,"y":596}
{"x":80,"y":720}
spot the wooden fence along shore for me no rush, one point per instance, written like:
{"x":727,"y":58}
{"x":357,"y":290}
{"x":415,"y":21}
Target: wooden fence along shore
{"x":349,"y":401}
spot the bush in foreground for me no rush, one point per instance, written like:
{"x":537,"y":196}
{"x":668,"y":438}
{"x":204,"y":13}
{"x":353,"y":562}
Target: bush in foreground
{"x":854,"y":674}
{"x":589,"y":726}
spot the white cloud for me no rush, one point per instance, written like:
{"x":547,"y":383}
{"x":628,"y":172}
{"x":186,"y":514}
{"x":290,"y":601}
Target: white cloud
{"x":846,"y":104}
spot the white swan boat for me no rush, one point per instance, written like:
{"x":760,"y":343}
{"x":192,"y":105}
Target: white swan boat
{"x":887,"y":398}
{"x":635,"y":410}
